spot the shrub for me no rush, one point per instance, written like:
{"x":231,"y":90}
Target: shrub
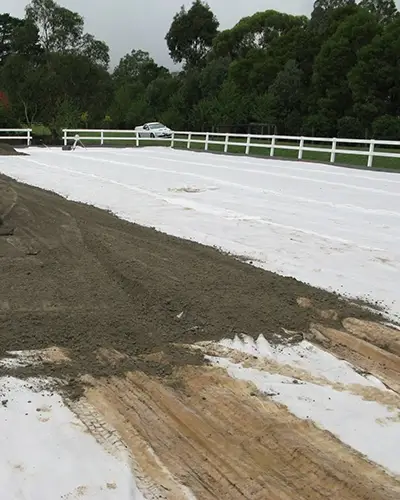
{"x":386,"y":127}
{"x":350,"y":127}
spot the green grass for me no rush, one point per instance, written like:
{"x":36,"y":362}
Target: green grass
{"x":343,"y":159}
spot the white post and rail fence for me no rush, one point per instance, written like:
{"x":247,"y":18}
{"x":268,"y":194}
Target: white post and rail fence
{"x":244,"y":143}
{"x":262,"y":145}
{"x":16,"y":134}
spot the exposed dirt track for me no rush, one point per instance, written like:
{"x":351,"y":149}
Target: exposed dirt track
{"x":366,"y":345}
{"x":217,"y":437}
{"x":122,"y":304}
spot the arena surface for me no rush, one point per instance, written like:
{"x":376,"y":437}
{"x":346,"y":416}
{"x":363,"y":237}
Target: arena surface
{"x":192,"y":373}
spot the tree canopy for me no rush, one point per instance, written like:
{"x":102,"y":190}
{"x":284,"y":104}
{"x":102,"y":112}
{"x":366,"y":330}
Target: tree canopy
{"x":192,"y":33}
{"x":334,"y":73}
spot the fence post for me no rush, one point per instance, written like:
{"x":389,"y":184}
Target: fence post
{"x":137,"y":139}
{"x":28,"y":137}
{"x":189,"y":139}
{"x":247,"y":151}
{"x":333,"y":150}
{"x":226,"y":145}
{"x":172,"y":139}
{"x":272,"y":150}
{"x":101,"y":137}
{"x":301,"y":147}
{"x":207,"y":140}
{"x":371,"y":153}
{"x":65,"y":137}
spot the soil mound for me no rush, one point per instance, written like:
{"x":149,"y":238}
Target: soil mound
{"x":79,"y":278}
{"x":7,"y":150}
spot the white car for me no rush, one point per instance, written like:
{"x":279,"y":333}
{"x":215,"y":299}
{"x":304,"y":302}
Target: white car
{"x":154,"y":129}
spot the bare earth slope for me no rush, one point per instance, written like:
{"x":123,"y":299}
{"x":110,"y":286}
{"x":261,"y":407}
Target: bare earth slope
{"x":80,"y":278}
{"x":122,"y":303}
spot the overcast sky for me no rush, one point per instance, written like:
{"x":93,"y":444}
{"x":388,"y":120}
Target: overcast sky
{"x":142,"y":24}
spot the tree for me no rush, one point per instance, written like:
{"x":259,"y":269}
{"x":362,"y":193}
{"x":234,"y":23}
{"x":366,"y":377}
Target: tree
{"x":213,"y":75}
{"x":337,"y":57}
{"x":17,"y":36}
{"x":203,"y":115}
{"x":132,"y":103}
{"x":286,"y":98}
{"x":126,"y":97}
{"x":138,"y":112}
{"x":37,"y":88}
{"x":349,"y":126}
{"x":137,"y":66}
{"x":159,"y":92}
{"x":87,"y":84}
{"x":24,"y":80}
{"x":130,"y":65}
{"x":326,"y":5}
{"x":25,"y":40}
{"x":96,"y":51}
{"x":7,"y":120}
{"x":151,"y":71}
{"x":8,"y":25}
{"x":323,"y":9}
{"x":319,"y":124}
{"x":259,"y":31}
{"x":337,"y":73}
{"x":190,"y":88}
{"x":107,"y":120}
{"x":191,"y":34}
{"x":259,"y":47}
{"x":231,"y":106}
{"x":67,"y":114}
{"x":4,"y":102}
{"x":385,"y":10}
{"x":386,"y":127}
{"x":62,"y":30}
{"x":173,"y":118}
{"x":255,"y":72}
{"x":375,"y":79}
{"x":262,"y":109}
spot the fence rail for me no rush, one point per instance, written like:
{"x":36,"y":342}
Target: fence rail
{"x":17,"y":134}
{"x":271,"y":143}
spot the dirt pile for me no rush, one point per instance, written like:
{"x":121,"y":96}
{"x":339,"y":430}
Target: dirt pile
{"x":90,"y":297}
{"x":81,"y":279}
{"x":7,"y":150}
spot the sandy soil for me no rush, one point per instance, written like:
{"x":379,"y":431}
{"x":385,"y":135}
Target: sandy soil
{"x":360,"y":344}
{"x":114,"y":309}
{"x":220,"y":439}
